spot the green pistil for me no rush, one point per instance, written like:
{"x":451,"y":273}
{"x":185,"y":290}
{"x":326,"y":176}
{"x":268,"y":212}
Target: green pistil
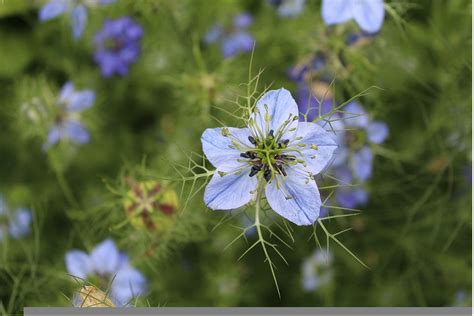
{"x":355,"y":139}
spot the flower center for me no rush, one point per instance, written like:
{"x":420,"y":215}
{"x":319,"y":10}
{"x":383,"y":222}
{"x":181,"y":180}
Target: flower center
{"x":114,"y":44}
{"x":355,"y":139}
{"x":268,"y":157}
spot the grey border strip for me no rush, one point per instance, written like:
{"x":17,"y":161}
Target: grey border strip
{"x":250,"y":311}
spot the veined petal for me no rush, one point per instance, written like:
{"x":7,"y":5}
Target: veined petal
{"x":369,"y":14}
{"x":361,"y":163}
{"x":52,"y":9}
{"x":296,"y":197}
{"x":276,"y":111}
{"x":221,"y":150}
{"x":230,"y":191}
{"x":78,"y":264}
{"x":78,"y":19}
{"x":336,"y":11}
{"x":355,"y":116}
{"x":318,"y":147}
{"x":377,"y":132}
{"x":81,"y":100}
{"x":105,"y":258}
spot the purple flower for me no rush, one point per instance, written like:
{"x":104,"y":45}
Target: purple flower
{"x":234,"y":39}
{"x":317,"y":270}
{"x":275,"y":152}
{"x":359,"y":133}
{"x":107,"y":263}
{"x":288,"y":8}
{"x":117,"y":46}
{"x":76,"y":9}
{"x":16,"y":223}
{"x":67,"y":123}
{"x":369,"y":14}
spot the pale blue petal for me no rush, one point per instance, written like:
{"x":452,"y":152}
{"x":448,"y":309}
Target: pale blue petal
{"x":76,"y":132}
{"x":20,"y":224}
{"x":213,"y":34}
{"x":351,"y":197}
{"x":291,"y":8}
{"x":236,"y":43}
{"x":369,"y":14}
{"x":296,"y":197}
{"x":81,"y":100}
{"x":220,"y":150}
{"x":127,"y":284}
{"x":279,"y":107}
{"x":78,"y":19}
{"x":243,"y":20}
{"x":78,"y":264}
{"x":106,"y":2}
{"x":52,"y":9}
{"x":336,"y":11}
{"x":377,"y":132}
{"x":230,"y":191}
{"x":105,"y":258}
{"x":54,"y":135}
{"x":361,"y":163}
{"x":355,"y":116}
{"x":318,"y":147}
{"x":66,"y":92}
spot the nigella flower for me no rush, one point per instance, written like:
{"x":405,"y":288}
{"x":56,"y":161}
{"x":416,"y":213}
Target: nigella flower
{"x":369,"y":14}
{"x":317,"y":270}
{"x":77,"y":10}
{"x":15,"y":223}
{"x":288,"y":8}
{"x":357,"y":134}
{"x":67,"y":123}
{"x":233,"y":39}
{"x":117,"y":46}
{"x":111,"y":268}
{"x":276,"y":153}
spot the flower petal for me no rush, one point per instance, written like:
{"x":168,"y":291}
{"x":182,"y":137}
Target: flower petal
{"x":377,"y":132}
{"x":76,"y":132}
{"x":105,"y":258}
{"x":230,"y":191}
{"x":127,"y":284}
{"x":54,"y":135}
{"x":351,"y":197}
{"x":52,"y":9}
{"x":336,"y":11}
{"x":369,"y":14}
{"x":236,"y":43}
{"x":221,"y":151}
{"x":243,"y":20}
{"x":354,"y":115}
{"x":81,"y":100}
{"x":213,"y":34}
{"x":66,"y":92}
{"x":20,"y":224}
{"x":361,"y":163}
{"x":291,"y":8}
{"x":318,"y":147}
{"x":78,"y":19}
{"x":78,"y":264}
{"x":296,"y":197}
{"x":276,"y":110}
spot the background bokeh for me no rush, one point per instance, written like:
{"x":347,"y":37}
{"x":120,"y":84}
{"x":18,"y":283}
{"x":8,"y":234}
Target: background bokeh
{"x":414,"y":232}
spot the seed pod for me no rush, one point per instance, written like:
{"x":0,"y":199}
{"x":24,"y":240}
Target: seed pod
{"x":90,"y":296}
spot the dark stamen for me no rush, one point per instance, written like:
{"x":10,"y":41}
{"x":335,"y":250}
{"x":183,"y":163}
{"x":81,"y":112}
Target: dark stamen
{"x":270,"y":134}
{"x":255,"y":169}
{"x":245,"y":155}
{"x":252,"y":140}
{"x":267,"y":174}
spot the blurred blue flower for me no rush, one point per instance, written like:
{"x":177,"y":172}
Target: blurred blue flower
{"x":234,"y":39}
{"x":67,"y":123}
{"x":317,"y":270}
{"x":277,"y":150}
{"x":77,"y":10}
{"x":15,"y":223}
{"x":359,"y":132}
{"x":112,"y":267}
{"x":369,"y":14}
{"x":117,"y":46}
{"x":288,"y":8}
{"x":347,"y":196}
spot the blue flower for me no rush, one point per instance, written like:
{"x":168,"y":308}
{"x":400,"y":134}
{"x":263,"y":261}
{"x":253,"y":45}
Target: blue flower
{"x":117,"y":46}
{"x":317,"y":270}
{"x":346,"y":196}
{"x":16,"y":223}
{"x":288,"y":8}
{"x":67,"y":123}
{"x":112,"y":267}
{"x":76,"y":9}
{"x":369,"y":14}
{"x":234,"y":39}
{"x":358,"y":133}
{"x":275,"y":150}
